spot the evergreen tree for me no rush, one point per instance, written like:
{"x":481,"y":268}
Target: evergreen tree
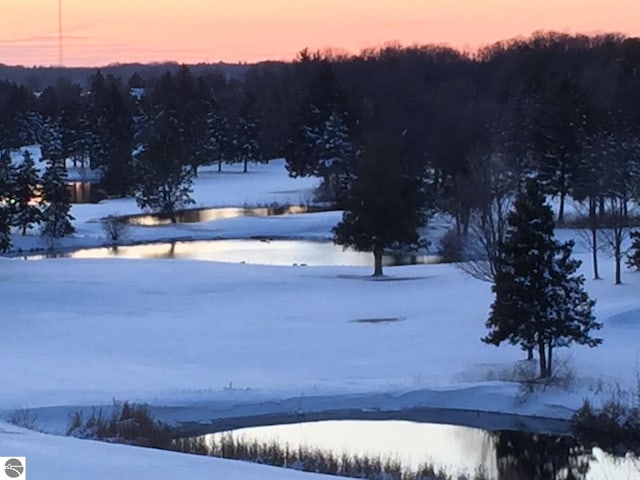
{"x":5,"y":228}
{"x":217,"y":137}
{"x":325,"y":97}
{"x":539,"y":299}
{"x":51,"y":147}
{"x":7,"y":200}
{"x":110,"y":136}
{"x":164,"y":182}
{"x":633,"y":257}
{"x":244,"y":145}
{"x":26,"y":184}
{"x":558,"y":135}
{"x":384,"y":206}
{"x":56,"y":219}
{"x":335,"y":154}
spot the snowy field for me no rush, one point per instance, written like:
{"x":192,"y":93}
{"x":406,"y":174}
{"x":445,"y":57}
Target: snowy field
{"x":214,"y":339}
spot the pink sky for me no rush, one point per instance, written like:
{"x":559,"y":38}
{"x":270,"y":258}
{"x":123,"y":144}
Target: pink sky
{"x":99,"y":32}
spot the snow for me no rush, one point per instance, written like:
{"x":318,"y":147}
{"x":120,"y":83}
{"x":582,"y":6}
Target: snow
{"x":202,"y":340}
{"x":52,"y":457}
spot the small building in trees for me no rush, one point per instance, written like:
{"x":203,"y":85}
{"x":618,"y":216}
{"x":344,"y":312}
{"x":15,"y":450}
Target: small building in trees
{"x":83,"y":182}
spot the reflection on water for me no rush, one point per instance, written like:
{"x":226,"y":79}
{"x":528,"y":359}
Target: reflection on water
{"x":458,"y":451}
{"x":264,"y":252}
{"x":196,"y":215}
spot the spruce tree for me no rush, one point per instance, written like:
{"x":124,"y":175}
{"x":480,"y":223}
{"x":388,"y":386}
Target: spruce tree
{"x":163,"y":182}
{"x":26,"y":184}
{"x":324,"y":98}
{"x":244,"y":145}
{"x":633,"y":257}
{"x":539,"y":301}
{"x":218,"y":141}
{"x":385,"y":204}
{"x":335,"y":154}
{"x":56,"y":219}
{"x":558,"y":136}
{"x":7,"y":200}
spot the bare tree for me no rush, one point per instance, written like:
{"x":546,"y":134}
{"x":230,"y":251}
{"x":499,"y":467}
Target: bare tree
{"x":622,"y":182}
{"x":495,"y":190}
{"x":616,"y":228}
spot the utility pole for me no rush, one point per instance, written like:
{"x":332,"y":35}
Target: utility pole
{"x":60,"y":57}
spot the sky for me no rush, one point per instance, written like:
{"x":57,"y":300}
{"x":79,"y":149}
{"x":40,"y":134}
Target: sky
{"x":100,"y":32}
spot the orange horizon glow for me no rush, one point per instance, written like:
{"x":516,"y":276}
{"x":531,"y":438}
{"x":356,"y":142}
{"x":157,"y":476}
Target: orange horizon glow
{"x":102,"y":32}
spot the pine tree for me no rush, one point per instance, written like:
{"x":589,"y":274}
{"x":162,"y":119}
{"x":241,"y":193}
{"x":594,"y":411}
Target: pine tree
{"x":539,"y":299}
{"x":558,"y":135}
{"x":26,"y":184}
{"x":110,"y":137}
{"x":244,"y":145}
{"x":335,"y":154}
{"x":7,"y":200}
{"x":384,"y":206}
{"x":56,"y":219}
{"x":324,"y":97}
{"x":217,"y":136}
{"x":164,"y":182}
{"x":51,"y":147}
{"x":633,"y":257}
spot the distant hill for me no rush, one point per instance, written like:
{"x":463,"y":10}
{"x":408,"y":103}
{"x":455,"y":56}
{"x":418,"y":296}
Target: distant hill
{"x":38,"y":78}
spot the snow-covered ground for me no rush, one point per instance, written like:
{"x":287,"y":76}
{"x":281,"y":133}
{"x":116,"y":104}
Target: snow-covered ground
{"x":215,"y":340}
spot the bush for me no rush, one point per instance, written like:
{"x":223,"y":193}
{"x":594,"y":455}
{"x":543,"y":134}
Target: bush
{"x":115,"y":228}
{"x":451,"y":247}
{"x":633,"y":257}
{"x":131,"y":424}
{"x":309,"y":459}
{"x":614,"y":428}
{"x":24,"y":418}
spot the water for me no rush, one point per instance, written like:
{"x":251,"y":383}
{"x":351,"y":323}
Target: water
{"x":458,"y":451}
{"x":195,"y":215}
{"x":263,"y":252}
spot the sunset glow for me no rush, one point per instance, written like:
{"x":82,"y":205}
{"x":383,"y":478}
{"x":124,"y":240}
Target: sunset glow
{"x":109,"y":31}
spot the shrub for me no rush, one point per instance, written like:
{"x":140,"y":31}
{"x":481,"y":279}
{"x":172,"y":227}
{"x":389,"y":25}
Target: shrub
{"x":131,"y":424}
{"x":451,"y":247}
{"x":615,"y":427}
{"x":115,"y":228}
{"x":24,"y":418}
{"x":633,"y":257}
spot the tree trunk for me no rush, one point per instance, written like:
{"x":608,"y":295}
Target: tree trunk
{"x":601,"y":208}
{"x":466,"y":221}
{"x":377,"y":262}
{"x":24,"y":229}
{"x":246,"y":161}
{"x":618,"y":259}
{"x":543,"y":360}
{"x":219,"y":165}
{"x":594,"y":253}
{"x":593,"y":225}
{"x":561,"y":209}
{"x":529,"y":353}
{"x":549,"y":361}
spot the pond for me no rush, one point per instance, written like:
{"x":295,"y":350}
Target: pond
{"x":349,"y":447}
{"x":195,"y":215}
{"x":263,"y":252}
